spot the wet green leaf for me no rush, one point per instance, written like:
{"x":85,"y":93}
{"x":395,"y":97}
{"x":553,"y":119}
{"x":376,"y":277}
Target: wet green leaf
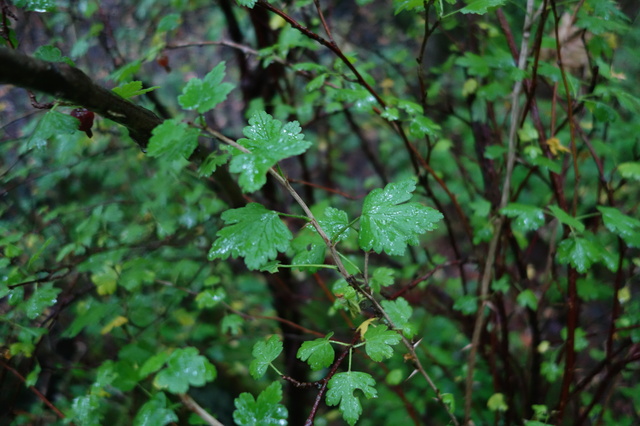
{"x":341,"y":391}
{"x":389,"y":223}
{"x":252,"y":232}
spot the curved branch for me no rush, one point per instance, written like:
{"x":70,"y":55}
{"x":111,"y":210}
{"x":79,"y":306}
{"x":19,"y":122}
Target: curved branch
{"x":71,"y":84}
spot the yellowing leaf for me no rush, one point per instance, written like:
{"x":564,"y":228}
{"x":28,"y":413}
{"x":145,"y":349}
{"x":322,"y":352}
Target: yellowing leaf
{"x":116,"y":322}
{"x":362,"y":328}
{"x":556,"y":146}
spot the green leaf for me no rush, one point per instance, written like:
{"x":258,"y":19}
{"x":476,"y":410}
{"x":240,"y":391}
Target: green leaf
{"x":317,"y":353}
{"x":232,"y":324}
{"x":480,"y":7}
{"x":185,"y":367}
{"x":399,"y":311}
{"x":153,"y":364}
{"x":388,"y":223}
{"x":266,"y":410}
{"x":155,"y":412}
{"x":131,"y":89}
{"x":467,"y":304}
{"x":52,"y":54}
{"x":203,"y":95}
{"x":247,"y":3}
{"x":408,"y":5}
{"x":252,"y":232}
{"x":210,"y":298}
{"x":622,"y":225}
{"x":52,"y":124}
{"x":578,"y":252}
{"x":211,"y":163}
{"x":335,"y":223}
{"x":567,"y":219}
{"x":169,"y":22}
{"x":309,"y":248}
{"x":32,"y":377}
{"x":341,"y":391}
{"x":528,"y":299}
{"x":630,"y":170}
{"x":269,"y":142}
{"x":497,"y":402}
{"x":173,"y":139}
{"x":381,"y":277}
{"x":44,"y":296}
{"x":264,"y":353}
{"x":33,"y":259}
{"x":528,"y":218}
{"x":378,"y":342}
{"x":37,"y":5}
{"x":421,"y":126}
{"x":85,"y":410}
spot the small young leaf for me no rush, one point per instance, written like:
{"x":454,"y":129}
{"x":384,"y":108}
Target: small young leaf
{"x":210,"y":298}
{"x":378,"y":342}
{"x":211,"y":163}
{"x":247,"y":3}
{"x":388,"y":223}
{"x":567,"y":219}
{"x":341,"y":389}
{"x":232,"y":324}
{"x":528,"y":218}
{"x":497,"y":402}
{"x":131,"y":89}
{"x":173,"y":139}
{"x":269,"y":142}
{"x":203,"y":95}
{"x":630,"y":170}
{"x":52,"y":54}
{"x":317,"y":353}
{"x":185,"y":367}
{"x":528,"y":299}
{"x":467,"y":304}
{"x":266,"y":410}
{"x":264,"y":353}
{"x":381,"y":277}
{"x":252,"y":232}
{"x":155,"y":412}
{"x":399,"y":311}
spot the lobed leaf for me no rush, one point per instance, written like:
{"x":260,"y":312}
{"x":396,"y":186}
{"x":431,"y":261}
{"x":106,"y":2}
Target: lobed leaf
{"x":264,"y":353}
{"x":185,"y":367}
{"x":317,"y":353}
{"x":388,"y":223}
{"x":269,"y":142}
{"x":203,"y":95}
{"x":252,"y":232}
{"x":378,"y":342}
{"x":173,"y":139}
{"x":341,"y":391}
{"x":266,"y":410}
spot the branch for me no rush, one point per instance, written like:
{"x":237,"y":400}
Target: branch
{"x":71,"y":84}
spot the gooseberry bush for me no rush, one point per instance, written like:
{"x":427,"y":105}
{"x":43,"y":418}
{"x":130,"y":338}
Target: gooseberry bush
{"x":319,"y":212}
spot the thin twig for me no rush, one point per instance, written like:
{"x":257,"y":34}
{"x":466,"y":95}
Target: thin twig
{"x":504,"y":200}
{"x":201,"y":412}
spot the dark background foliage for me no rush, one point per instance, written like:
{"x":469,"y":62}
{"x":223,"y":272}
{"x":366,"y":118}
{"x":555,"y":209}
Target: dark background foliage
{"x":523,"y":302}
